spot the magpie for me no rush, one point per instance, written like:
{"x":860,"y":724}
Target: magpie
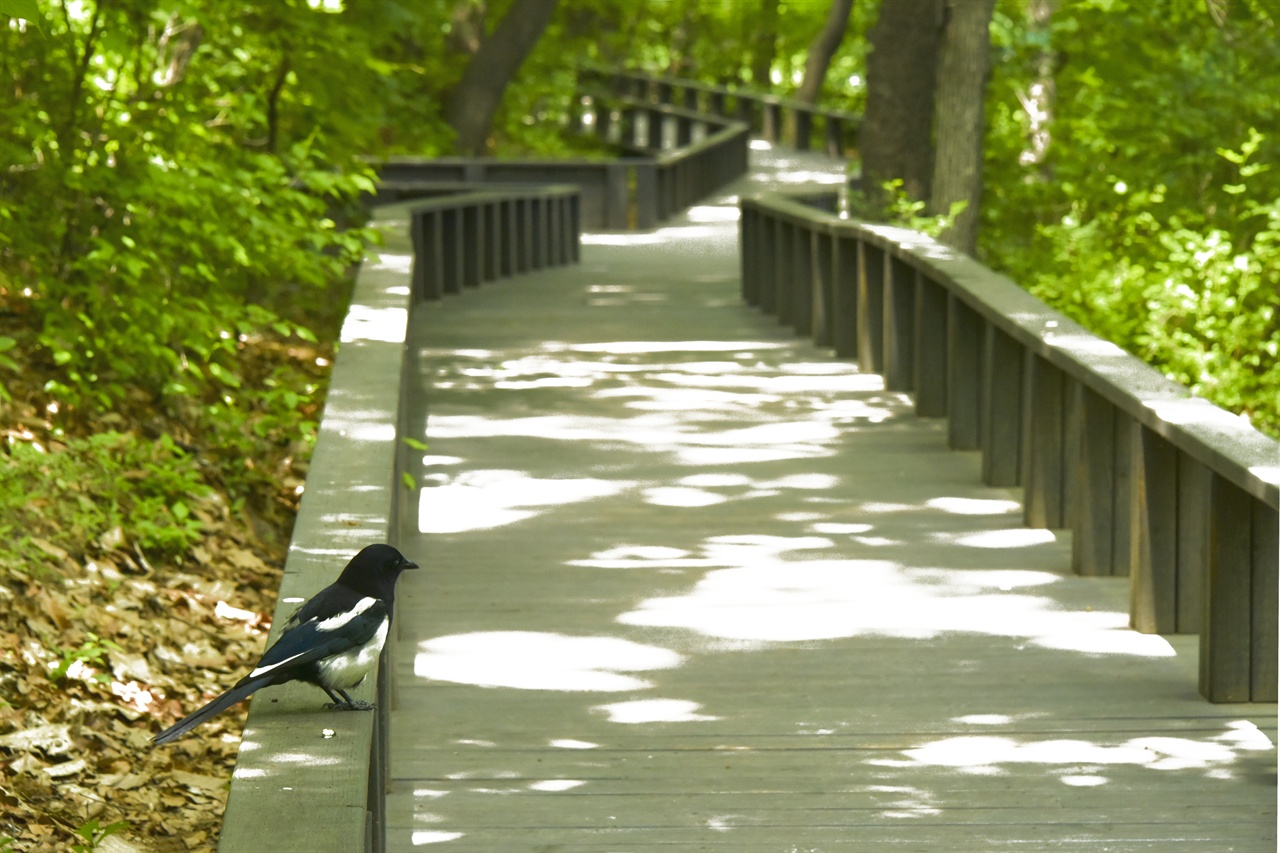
{"x":332,"y":641}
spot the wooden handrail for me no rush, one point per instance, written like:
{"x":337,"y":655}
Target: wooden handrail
{"x":1154,"y":483}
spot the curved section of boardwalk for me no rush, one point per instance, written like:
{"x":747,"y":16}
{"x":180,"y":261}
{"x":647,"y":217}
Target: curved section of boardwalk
{"x":694,"y":584}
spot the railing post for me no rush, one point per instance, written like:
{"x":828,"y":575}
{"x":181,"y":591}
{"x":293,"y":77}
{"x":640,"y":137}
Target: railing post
{"x":834,"y":136}
{"x":472,"y":246}
{"x":930,"y":358}
{"x":1194,"y":507}
{"x":784,"y":279}
{"x":843,"y":318}
{"x":964,"y":382}
{"x":748,"y":236}
{"x":801,"y":280}
{"x":1044,"y":478}
{"x":1002,"y":420}
{"x":899,"y":323}
{"x":451,"y":251}
{"x":770,"y":265}
{"x":647,"y":214}
{"x":772,"y":109}
{"x":804,"y":127}
{"x":823,"y":264}
{"x":871,"y":264}
{"x":1153,"y":548}
{"x":1226,"y":668}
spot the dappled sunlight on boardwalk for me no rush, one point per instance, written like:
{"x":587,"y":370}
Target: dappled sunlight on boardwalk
{"x":694,"y":584}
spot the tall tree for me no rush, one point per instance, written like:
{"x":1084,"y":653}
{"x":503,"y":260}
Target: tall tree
{"x":824,"y":46}
{"x":958,"y":117}
{"x":895,"y":139}
{"x":766,"y":44}
{"x":474,"y":101}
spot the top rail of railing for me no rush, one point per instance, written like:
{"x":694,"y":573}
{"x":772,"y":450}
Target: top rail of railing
{"x":776,"y":119}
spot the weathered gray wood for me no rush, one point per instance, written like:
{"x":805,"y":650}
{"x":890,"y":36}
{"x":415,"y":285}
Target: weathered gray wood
{"x":931,"y":350}
{"x":1194,"y":507}
{"x":427,"y":274}
{"x":800,"y":272}
{"x":471,"y":240}
{"x":287,"y":764}
{"x":1095,"y":512}
{"x":748,"y":240}
{"x":1001,"y":425}
{"x":823,"y":265}
{"x":1154,"y":544}
{"x":1226,"y":670}
{"x":783,"y":274}
{"x":844,"y":311}
{"x":871,"y":273}
{"x":899,"y":325}
{"x":1045,"y":479}
{"x":1265,"y":601}
{"x":964,"y":384}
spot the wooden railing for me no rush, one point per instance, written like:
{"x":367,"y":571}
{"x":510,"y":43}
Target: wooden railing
{"x":665,"y":172}
{"x":776,"y":119}
{"x":1153,"y":483}
{"x":307,"y":779}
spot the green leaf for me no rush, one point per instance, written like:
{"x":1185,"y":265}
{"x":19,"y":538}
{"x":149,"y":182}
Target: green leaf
{"x":408,"y":480}
{"x":27,"y":10}
{"x":414,"y":443}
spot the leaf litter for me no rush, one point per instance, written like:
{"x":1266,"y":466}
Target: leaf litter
{"x":103,"y":645}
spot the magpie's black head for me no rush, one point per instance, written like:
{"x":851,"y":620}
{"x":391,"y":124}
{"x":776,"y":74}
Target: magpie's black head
{"x":374,"y":571}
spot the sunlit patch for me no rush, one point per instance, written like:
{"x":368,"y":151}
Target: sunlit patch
{"x":654,"y":711}
{"x":713,"y":481}
{"x":1014,"y":537}
{"x":763,"y":596}
{"x":481,"y":500}
{"x":529,"y":660}
{"x":984,"y":719}
{"x":441,"y":460}
{"x":717,"y":213}
{"x":973,"y":506}
{"x":985,"y":753}
{"x":681,"y":496}
{"x":553,"y":785}
{"x":835,"y":528}
{"x":433,"y":836}
{"x":570,"y":743}
{"x":364,"y":323}
{"x":1083,"y":780}
{"x":429,"y":793}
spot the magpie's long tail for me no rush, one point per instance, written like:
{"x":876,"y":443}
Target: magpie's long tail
{"x":217,"y":706}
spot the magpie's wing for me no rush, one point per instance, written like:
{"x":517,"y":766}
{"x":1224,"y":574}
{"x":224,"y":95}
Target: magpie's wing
{"x":334,"y":599}
{"x":316,"y":639}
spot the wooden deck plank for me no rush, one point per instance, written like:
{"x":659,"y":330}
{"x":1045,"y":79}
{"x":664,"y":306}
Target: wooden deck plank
{"x":691,"y":583}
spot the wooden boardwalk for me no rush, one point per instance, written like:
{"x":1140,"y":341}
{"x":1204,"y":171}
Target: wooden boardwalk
{"x":693,"y":584}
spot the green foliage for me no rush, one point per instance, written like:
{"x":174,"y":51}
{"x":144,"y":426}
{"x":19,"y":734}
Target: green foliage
{"x":1151,"y":217}
{"x":92,"y":650}
{"x":110,"y":489}
{"x":94,"y":834}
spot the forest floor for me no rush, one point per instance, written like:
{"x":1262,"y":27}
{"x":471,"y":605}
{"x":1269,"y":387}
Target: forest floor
{"x":103,"y":644}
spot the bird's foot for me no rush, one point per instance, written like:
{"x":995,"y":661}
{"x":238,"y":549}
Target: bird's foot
{"x":353,"y":705}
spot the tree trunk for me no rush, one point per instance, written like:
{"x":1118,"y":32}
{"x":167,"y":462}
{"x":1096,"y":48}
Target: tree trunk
{"x":474,"y":101}
{"x":766,"y":46}
{"x":958,"y":118}
{"x":1038,"y":99}
{"x":824,"y":47}
{"x":895,"y":140}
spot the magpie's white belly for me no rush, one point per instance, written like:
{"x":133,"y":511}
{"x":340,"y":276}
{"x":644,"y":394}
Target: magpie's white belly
{"x":344,"y":671}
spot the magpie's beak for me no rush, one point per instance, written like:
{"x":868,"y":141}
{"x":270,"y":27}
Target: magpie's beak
{"x":409,"y":564}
